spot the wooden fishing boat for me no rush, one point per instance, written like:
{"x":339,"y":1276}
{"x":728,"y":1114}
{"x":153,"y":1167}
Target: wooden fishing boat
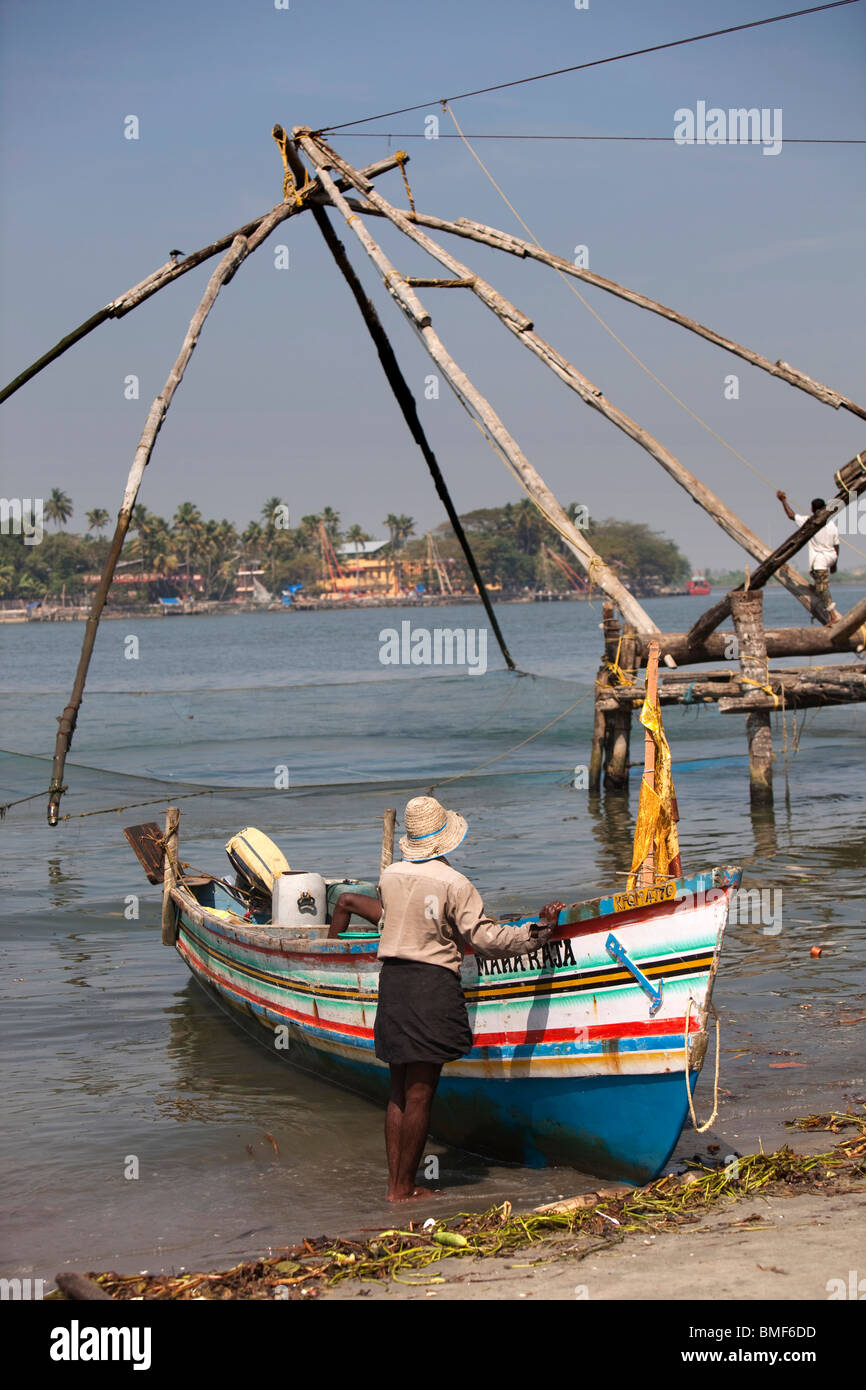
{"x":582,"y":1051}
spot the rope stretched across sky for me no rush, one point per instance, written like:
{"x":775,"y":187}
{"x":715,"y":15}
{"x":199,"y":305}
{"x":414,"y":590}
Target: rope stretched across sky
{"x":592,"y":63}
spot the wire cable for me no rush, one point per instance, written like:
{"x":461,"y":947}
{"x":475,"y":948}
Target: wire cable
{"x":606,"y":326}
{"x":593,"y":63}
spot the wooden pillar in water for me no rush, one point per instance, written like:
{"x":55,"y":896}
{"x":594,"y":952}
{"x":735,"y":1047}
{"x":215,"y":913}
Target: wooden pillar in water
{"x":611,"y":629}
{"x":619,"y":726}
{"x":747,"y":610}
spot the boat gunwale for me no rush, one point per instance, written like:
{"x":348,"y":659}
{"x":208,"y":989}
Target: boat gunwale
{"x":580,"y":918}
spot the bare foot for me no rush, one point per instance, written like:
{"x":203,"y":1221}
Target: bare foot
{"x":413,"y":1195}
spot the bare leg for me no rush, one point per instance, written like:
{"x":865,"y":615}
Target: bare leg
{"x":394,"y":1124}
{"x":421,"y":1080}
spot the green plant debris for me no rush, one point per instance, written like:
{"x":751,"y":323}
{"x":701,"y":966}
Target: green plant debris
{"x":309,"y":1269}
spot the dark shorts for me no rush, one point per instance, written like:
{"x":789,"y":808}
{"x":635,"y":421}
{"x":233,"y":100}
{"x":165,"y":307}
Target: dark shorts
{"x":421,"y":1014}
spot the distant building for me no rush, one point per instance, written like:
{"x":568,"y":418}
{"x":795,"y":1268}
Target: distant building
{"x":368,"y":567}
{"x":248,"y":576}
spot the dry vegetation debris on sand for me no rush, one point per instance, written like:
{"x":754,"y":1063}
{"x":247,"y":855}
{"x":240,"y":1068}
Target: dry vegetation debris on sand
{"x":582,"y":1227}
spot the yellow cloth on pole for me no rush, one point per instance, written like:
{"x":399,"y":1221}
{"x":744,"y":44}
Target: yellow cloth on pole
{"x":656,"y":828}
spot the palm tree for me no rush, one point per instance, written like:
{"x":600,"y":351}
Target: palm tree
{"x":405,"y":528}
{"x":307,"y":533}
{"x":98,"y":519}
{"x":269,"y":512}
{"x":188,"y":524}
{"x":253,"y":537}
{"x":58,"y":507}
{"x":162,"y":555}
{"x":273,"y":533}
{"x":331,"y":523}
{"x":357,"y":535}
{"x":393,"y":524}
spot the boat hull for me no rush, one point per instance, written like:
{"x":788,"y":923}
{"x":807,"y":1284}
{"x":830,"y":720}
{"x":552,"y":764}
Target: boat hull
{"x":579,"y":1052}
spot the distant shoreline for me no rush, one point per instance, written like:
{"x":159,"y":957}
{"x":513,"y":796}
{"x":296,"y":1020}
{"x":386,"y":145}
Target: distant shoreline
{"x":218,"y":609}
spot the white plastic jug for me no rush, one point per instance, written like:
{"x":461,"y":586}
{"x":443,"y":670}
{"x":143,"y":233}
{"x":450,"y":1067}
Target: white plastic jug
{"x":299,"y":900}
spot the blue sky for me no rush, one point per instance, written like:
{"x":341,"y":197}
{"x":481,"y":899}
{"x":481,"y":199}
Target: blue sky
{"x":284,"y":394}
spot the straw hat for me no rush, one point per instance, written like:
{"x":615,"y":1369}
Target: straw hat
{"x":430,"y":830}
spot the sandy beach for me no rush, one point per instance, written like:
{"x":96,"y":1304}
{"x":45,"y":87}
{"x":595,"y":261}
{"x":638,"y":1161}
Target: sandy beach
{"x":777,"y":1247}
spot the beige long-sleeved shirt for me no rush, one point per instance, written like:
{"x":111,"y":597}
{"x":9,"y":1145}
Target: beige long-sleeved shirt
{"x":430,"y":910}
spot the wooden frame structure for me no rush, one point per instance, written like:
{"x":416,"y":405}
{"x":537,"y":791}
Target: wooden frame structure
{"x":328,"y":181}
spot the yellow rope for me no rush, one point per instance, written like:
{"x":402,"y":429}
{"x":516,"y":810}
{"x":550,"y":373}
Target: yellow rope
{"x":401,"y":156}
{"x":606,"y":326}
{"x":621,"y":677}
{"x":701,"y":1129}
{"x":768,"y":689}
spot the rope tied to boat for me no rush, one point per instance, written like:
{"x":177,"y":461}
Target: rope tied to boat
{"x":702,"y":1129}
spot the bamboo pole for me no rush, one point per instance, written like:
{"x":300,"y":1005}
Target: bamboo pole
{"x":240,"y":248}
{"x":477,"y":404}
{"x":748,"y":615}
{"x":169,"y":877}
{"x":647,"y":868}
{"x":851,"y":479}
{"x":389,"y":820}
{"x":504,"y":241}
{"x":403,"y":394}
{"x":172,"y":270}
{"x":521,"y":326}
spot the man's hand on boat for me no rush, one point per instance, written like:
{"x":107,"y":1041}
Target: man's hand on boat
{"x":547,"y":919}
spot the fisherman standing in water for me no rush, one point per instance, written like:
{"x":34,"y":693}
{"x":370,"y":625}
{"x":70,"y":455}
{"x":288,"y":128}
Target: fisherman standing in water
{"x":430,"y":911}
{"x":823,"y":552}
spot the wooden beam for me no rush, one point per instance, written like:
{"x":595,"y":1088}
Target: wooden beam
{"x":798,"y":687}
{"x":619,"y":731}
{"x":518,"y":323}
{"x":782,"y":641}
{"x":389,"y":820}
{"x":504,"y":241}
{"x":747,"y":610}
{"x":477,"y":405}
{"x":403,"y":395}
{"x":172,"y":270}
{"x":169,"y":911}
{"x":850,"y":623}
{"x":237,"y":253}
{"x":852,"y":481}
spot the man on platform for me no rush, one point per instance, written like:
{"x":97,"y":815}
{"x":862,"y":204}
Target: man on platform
{"x":430,"y":913}
{"x":823,"y":552}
